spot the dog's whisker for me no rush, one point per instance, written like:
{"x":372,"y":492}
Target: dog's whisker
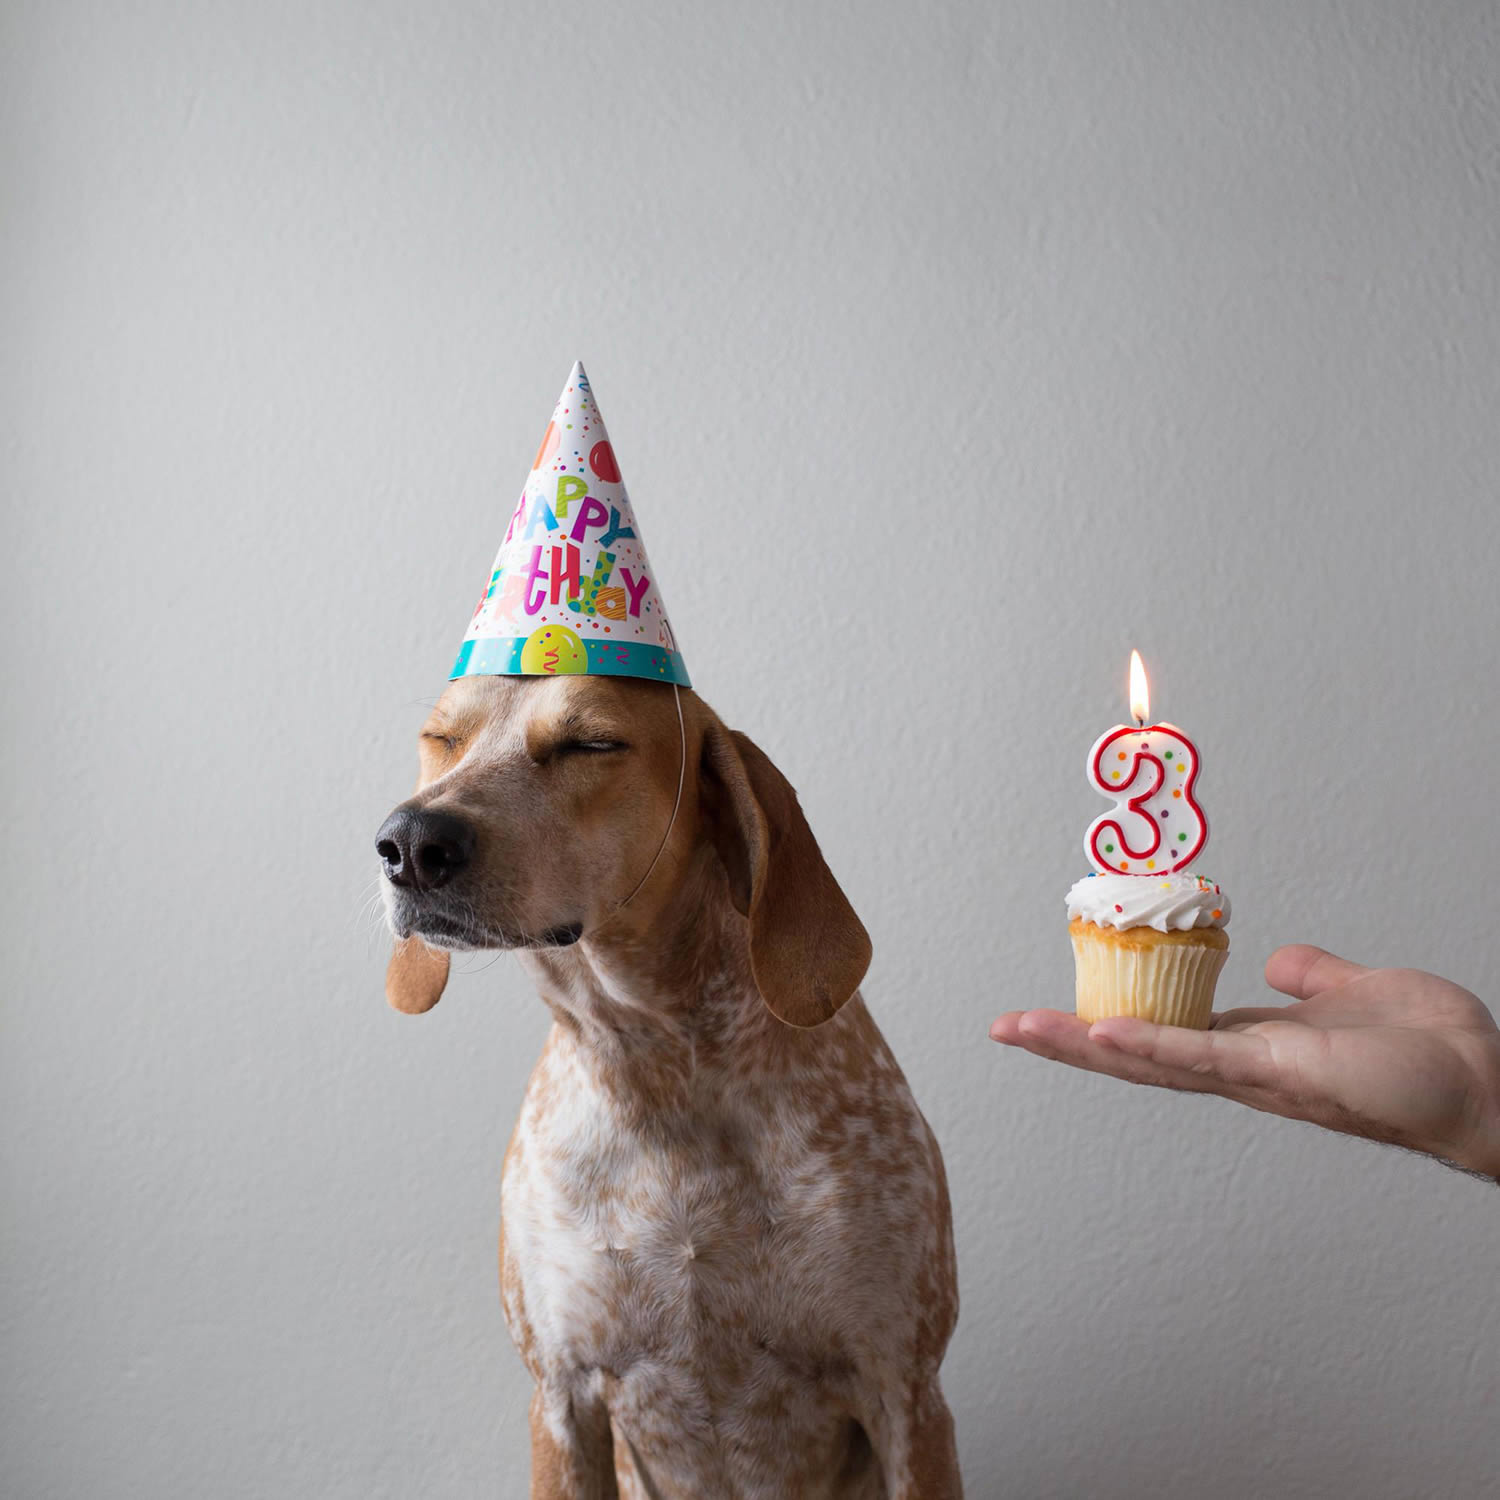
{"x":371,"y":919}
{"x":499,"y":954}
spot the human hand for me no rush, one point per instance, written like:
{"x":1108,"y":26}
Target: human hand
{"x":1396,"y":1055}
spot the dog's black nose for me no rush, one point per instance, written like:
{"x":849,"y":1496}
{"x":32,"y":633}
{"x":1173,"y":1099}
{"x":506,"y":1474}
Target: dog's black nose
{"x":423,"y":848}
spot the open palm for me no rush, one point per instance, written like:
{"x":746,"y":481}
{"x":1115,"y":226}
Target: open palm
{"x":1393,"y":1054}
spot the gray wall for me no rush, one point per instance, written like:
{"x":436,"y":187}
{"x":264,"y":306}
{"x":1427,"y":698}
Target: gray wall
{"x":1085,"y":326}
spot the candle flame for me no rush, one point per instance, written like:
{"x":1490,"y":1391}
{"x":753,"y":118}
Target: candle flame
{"x":1140,"y":694}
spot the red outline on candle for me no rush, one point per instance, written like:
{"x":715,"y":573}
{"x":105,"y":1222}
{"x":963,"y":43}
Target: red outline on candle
{"x":1133,"y":804}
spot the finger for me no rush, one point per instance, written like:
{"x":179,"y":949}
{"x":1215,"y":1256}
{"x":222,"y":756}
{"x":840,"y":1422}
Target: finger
{"x":1217,"y":1059}
{"x":1304,"y":971}
{"x":1007,"y":1028}
{"x":1249,"y":1015}
{"x":1058,"y":1030}
{"x":1061,"y":1037}
{"x":1034,"y":1029}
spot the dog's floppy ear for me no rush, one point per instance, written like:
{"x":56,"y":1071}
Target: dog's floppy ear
{"x":415,"y":976}
{"x":808,"y":950}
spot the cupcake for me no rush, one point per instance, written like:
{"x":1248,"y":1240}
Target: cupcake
{"x":1148,"y":946}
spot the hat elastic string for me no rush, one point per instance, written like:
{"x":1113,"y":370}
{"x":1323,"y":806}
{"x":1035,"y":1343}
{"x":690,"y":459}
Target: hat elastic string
{"x":672,"y":821}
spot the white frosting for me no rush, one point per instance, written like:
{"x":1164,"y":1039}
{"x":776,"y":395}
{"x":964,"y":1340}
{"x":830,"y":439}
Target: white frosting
{"x":1169,"y":903}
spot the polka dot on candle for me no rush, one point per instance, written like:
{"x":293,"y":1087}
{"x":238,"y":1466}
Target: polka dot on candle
{"x":1118,"y":907}
{"x":1216,"y":913}
{"x":1168,"y":800}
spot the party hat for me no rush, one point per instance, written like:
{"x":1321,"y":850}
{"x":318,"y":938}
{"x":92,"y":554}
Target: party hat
{"x":572,"y":589}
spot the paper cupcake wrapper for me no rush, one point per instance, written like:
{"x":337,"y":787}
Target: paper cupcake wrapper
{"x":1171,"y":984}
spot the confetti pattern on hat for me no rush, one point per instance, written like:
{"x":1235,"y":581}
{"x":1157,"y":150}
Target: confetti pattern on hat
{"x":572,"y":589}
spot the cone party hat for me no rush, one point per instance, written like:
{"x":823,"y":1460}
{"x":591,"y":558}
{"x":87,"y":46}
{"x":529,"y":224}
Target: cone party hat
{"x":572,"y":589}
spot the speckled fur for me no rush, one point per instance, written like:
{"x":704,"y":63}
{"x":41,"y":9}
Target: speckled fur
{"x":726,"y":1253}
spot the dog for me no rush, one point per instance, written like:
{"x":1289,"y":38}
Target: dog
{"x":726,"y":1248}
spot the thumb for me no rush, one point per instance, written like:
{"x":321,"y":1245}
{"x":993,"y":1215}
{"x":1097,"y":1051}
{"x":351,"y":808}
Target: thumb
{"x":1304,"y":971}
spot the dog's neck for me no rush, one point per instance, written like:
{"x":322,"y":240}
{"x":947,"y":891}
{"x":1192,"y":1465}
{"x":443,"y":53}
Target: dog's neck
{"x":662,"y":1011}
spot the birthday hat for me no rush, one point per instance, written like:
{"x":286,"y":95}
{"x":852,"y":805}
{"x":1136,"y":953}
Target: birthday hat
{"x":572,"y":589}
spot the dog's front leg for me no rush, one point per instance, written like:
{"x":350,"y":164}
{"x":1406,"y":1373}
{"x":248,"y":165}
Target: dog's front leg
{"x":572,"y":1452}
{"x":916,"y":1446}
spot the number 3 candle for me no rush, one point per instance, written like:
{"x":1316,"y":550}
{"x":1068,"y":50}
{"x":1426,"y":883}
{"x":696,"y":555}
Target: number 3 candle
{"x":1150,"y":771}
{"x":1148,"y":937}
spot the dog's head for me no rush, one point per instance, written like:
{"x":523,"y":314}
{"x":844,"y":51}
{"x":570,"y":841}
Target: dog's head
{"x":541,"y":806}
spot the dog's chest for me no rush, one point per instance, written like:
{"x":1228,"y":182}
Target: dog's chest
{"x":701,"y":1247}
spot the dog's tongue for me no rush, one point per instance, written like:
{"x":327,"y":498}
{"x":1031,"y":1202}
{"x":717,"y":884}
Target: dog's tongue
{"x":415,"y":977}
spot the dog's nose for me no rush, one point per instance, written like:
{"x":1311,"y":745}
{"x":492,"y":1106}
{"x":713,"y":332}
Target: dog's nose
{"x":423,"y":848}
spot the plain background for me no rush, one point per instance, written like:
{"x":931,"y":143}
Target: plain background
{"x":1078,"y":327}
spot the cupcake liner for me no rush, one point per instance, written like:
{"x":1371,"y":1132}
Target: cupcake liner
{"x":1169,"y":983}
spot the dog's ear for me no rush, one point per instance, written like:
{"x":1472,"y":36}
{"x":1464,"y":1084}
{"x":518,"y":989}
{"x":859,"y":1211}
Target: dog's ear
{"x":808,"y":950}
{"x":415,"y":976}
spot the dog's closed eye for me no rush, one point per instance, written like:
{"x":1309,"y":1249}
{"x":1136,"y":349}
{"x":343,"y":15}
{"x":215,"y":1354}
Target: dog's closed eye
{"x":577,"y":734}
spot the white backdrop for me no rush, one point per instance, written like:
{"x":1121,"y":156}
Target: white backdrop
{"x":1083,"y":326}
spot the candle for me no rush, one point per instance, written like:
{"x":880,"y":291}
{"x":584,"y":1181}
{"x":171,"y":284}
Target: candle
{"x":1149,"y":771}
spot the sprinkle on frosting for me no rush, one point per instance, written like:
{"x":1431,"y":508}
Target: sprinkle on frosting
{"x":1175,"y":903}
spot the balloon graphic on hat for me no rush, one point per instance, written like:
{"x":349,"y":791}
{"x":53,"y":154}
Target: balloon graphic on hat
{"x":572,"y":589}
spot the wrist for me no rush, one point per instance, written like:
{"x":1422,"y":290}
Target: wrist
{"x":1479,"y":1148}
{"x":1485,"y":1157}
{"x":1480,"y":1151}
{"x":1484,"y":1163}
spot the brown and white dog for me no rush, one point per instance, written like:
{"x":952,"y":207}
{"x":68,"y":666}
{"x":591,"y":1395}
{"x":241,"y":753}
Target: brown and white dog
{"x":727,"y":1253}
